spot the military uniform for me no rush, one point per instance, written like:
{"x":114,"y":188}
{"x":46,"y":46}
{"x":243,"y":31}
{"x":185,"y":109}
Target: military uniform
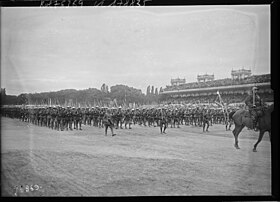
{"x":255,"y":109}
{"x":128,"y":118}
{"x":206,"y":119}
{"x":163,"y":123}
{"x":108,"y":123}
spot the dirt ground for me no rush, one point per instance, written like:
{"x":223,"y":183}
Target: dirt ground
{"x":136,"y":162}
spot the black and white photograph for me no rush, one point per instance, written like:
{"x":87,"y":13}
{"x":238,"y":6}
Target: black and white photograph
{"x":108,"y":101}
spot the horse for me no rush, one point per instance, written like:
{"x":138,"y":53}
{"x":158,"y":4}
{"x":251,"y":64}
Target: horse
{"x":242,"y":118}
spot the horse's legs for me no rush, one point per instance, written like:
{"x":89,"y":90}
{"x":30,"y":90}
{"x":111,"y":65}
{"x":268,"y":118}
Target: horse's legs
{"x":227,"y":125}
{"x":106,"y":128}
{"x":259,"y":140}
{"x":203,"y":126}
{"x":236,"y":132}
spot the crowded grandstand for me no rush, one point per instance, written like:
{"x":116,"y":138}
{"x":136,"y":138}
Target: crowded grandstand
{"x":233,"y":90}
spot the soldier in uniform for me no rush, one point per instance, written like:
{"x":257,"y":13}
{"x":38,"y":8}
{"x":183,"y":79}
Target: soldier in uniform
{"x":205,"y":119}
{"x":68,"y":118}
{"x":128,"y":118}
{"x":40,"y":115}
{"x":136,"y":118}
{"x":48,"y":117}
{"x":95,"y":115}
{"x":90,"y":116}
{"x":196,"y":116}
{"x":78,"y":119}
{"x":57,"y":119}
{"x":108,"y":123}
{"x":64,"y":122}
{"x":255,"y":105}
{"x":175,"y":118}
{"x":163,"y":120}
{"x":119,"y":117}
{"x":53,"y":117}
{"x":100,"y":117}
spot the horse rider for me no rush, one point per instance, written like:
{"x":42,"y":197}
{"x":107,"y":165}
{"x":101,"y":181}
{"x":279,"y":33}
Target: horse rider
{"x":254,"y":103}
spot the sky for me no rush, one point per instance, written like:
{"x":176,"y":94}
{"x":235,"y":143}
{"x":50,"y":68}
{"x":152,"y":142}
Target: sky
{"x":50,"y":49}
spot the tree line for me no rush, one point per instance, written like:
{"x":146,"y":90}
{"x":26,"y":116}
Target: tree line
{"x":119,"y":95}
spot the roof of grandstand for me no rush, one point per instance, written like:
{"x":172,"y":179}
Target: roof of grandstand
{"x":255,"y":79}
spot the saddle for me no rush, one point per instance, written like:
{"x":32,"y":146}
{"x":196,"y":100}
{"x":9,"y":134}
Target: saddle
{"x":259,"y":112}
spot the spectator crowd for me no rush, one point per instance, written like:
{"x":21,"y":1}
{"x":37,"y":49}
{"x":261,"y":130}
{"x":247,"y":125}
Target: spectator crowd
{"x":221,"y":82}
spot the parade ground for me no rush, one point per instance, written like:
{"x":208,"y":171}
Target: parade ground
{"x":136,"y":162}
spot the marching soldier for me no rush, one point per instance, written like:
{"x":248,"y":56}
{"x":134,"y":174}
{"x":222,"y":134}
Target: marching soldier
{"x":53,"y":117}
{"x":108,"y":123}
{"x":78,"y":119}
{"x":119,"y":117}
{"x":205,"y":119}
{"x":163,"y":120}
{"x":100,"y":116}
{"x":90,"y":116}
{"x":95,"y":115}
{"x":68,"y":118}
{"x":48,"y":117}
{"x":128,"y":118}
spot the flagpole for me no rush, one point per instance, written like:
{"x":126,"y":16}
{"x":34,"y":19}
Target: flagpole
{"x":221,"y":102}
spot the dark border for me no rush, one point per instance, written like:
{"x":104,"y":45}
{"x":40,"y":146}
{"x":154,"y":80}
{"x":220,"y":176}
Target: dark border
{"x":274,"y":5}
{"x":36,"y":3}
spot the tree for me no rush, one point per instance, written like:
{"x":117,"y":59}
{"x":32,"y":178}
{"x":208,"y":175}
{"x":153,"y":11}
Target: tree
{"x":3,"y":96}
{"x":123,"y":94}
{"x":156,"y":92}
{"x":160,"y":90}
{"x":152,"y":91}
{"x":103,"y":88}
{"x":148,"y":90}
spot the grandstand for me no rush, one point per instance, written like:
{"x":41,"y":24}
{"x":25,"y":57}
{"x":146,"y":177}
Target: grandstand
{"x":178,"y":81}
{"x":231,"y":89}
{"x":205,"y":78}
{"x":240,"y":74}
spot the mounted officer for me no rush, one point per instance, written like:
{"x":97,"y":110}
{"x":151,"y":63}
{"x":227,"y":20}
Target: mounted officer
{"x":255,"y":105}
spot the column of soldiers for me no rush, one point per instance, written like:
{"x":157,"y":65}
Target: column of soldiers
{"x":69,"y":118}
